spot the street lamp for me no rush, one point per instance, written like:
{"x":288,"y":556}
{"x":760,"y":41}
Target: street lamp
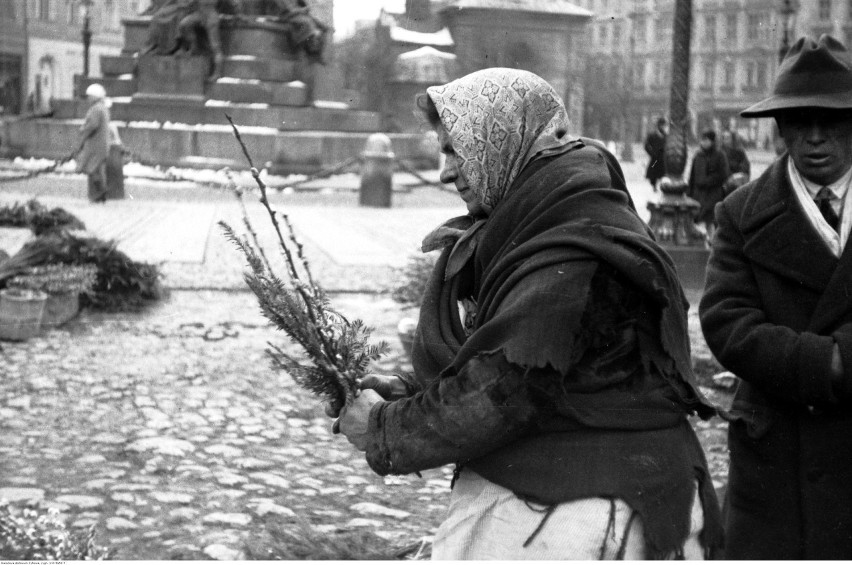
{"x":786,"y":10}
{"x":85,"y":6}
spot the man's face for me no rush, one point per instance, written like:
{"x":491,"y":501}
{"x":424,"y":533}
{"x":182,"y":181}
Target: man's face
{"x":819,"y":142}
{"x":705,"y":144}
{"x":727,"y":139}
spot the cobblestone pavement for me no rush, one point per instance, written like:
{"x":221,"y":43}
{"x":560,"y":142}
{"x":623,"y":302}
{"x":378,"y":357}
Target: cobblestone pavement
{"x":170,"y":433}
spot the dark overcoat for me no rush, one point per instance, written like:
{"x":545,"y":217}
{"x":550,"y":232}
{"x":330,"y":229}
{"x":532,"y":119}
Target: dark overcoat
{"x":776,"y":301}
{"x":706,"y":181}
{"x":655,"y":147}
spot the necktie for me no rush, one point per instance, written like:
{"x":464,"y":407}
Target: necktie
{"x":823,"y":201}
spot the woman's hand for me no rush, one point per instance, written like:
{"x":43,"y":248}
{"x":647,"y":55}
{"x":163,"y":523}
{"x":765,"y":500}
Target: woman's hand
{"x":355,"y":417}
{"x":389,"y":387}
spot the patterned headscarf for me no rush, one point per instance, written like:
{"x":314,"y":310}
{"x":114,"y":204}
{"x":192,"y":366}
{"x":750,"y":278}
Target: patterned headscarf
{"x":498,"y":120}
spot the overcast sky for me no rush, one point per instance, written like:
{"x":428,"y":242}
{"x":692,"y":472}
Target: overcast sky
{"x":346,"y":12}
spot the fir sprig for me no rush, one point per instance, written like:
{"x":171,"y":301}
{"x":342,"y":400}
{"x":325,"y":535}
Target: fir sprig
{"x":338,"y":351}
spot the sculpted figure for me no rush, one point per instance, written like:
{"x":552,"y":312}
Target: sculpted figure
{"x":306,"y":31}
{"x":190,"y":27}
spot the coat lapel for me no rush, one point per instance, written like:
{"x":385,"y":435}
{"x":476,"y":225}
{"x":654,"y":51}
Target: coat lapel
{"x":836,"y":301}
{"x":779,"y":236}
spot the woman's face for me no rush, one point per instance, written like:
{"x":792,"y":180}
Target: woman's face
{"x":451,"y":174}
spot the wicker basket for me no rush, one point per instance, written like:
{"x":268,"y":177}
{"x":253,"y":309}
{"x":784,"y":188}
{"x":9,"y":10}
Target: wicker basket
{"x":60,"y":308}
{"x":21,"y":311}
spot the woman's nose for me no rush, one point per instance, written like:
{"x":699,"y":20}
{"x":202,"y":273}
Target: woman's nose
{"x":449,"y":173}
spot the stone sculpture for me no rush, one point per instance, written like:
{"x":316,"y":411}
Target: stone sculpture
{"x":306,"y":32}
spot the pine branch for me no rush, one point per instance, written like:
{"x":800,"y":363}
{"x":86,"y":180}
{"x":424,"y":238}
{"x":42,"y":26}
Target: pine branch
{"x":338,"y":351}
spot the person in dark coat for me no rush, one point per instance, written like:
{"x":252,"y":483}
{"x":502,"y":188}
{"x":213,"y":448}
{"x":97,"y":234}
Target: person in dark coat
{"x":655,"y":147}
{"x":551,"y":358}
{"x":777,"y":312}
{"x":738,"y":163}
{"x":706,"y":179}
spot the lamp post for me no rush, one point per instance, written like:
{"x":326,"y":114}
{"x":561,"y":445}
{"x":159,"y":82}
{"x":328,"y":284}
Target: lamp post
{"x":786,"y":10}
{"x":85,"y":6}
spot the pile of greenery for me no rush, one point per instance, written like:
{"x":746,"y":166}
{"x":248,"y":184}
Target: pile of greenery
{"x":412,"y":279}
{"x":38,"y":217}
{"x":57,"y":279}
{"x":282,"y":541}
{"x":121,"y":284}
{"x":27,"y":534}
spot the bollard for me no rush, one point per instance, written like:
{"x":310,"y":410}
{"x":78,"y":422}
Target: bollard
{"x":377,"y":172}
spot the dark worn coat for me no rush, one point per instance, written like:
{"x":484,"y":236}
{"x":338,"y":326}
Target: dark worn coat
{"x":706,"y":180}
{"x":776,"y":301}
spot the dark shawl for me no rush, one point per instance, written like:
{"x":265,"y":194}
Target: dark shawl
{"x":570,"y":211}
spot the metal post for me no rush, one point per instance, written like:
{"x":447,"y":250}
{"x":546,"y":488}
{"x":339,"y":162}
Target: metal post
{"x":672,"y":212}
{"x":87,"y":35}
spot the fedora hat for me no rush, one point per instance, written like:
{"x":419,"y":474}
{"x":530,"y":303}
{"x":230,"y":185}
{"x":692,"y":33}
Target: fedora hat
{"x":812,"y":75}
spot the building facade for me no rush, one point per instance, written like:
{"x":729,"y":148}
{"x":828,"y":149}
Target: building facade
{"x":13,"y":50}
{"x":55,"y":44}
{"x":736,"y":47}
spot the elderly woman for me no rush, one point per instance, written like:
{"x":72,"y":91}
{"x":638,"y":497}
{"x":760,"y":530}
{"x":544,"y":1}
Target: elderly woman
{"x":93,"y":149}
{"x":551,"y":360}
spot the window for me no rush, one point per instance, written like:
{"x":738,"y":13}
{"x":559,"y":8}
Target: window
{"x":756,"y":72}
{"x":710,"y":31}
{"x":42,"y":10}
{"x":728,"y":81}
{"x":825,"y":9}
{"x":731,"y":29}
{"x":849,"y":9}
{"x":664,"y":29}
{"x":756,"y":26}
{"x":616,"y":33}
{"x":7,"y":11}
{"x":707,"y":77}
{"x":641,"y":29}
{"x":761,"y":75}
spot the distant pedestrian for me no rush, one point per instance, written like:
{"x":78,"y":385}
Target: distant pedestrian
{"x":706,"y":179}
{"x":738,"y":163}
{"x":655,"y":146}
{"x":93,"y":149}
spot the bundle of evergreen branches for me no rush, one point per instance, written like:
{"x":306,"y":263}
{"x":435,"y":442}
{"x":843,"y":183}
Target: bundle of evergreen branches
{"x":338,"y":349}
{"x":122,"y":285}
{"x":38,"y":217}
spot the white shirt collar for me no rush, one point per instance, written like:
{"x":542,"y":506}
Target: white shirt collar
{"x":805,"y":192}
{"x":838,"y":187}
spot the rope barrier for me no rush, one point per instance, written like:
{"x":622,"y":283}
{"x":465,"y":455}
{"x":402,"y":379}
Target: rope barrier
{"x":34,"y":173}
{"x":170,"y":175}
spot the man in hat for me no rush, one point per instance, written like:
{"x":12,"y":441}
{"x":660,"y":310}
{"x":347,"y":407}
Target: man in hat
{"x":777,"y":312}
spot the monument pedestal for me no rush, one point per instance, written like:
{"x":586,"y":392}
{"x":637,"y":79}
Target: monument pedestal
{"x":173,"y":79}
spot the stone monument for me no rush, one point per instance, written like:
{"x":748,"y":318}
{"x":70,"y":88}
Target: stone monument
{"x":187,"y":63}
